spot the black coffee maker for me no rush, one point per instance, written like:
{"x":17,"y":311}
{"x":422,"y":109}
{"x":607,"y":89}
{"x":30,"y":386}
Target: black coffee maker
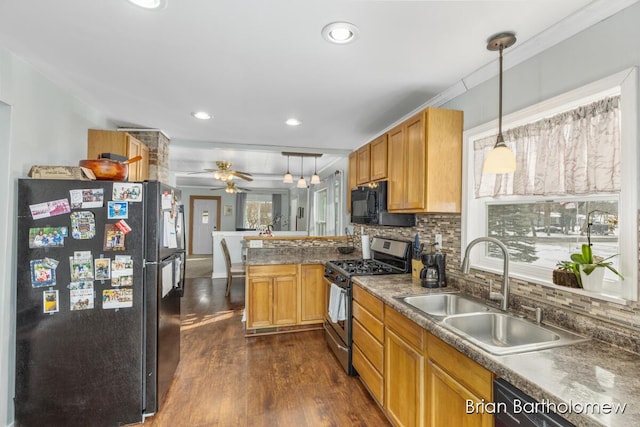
{"x":432,"y":274}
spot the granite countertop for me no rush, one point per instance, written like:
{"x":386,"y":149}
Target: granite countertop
{"x":297,"y":255}
{"x":583,"y":377}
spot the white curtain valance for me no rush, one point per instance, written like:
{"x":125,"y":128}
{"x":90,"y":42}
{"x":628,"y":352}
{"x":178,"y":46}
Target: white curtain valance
{"x":573,"y":153}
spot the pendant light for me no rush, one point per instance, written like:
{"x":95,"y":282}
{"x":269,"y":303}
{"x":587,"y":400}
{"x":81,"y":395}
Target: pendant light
{"x":315,"y":179}
{"x":501,"y":159}
{"x":302,"y":183}
{"x":288,"y":178}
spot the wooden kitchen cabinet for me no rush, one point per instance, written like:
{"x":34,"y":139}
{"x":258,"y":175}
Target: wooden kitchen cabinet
{"x":271,"y":295}
{"x":368,"y":341}
{"x":452,"y":380}
{"x":379,"y":161}
{"x":425,"y":163}
{"x":121,"y":143}
{"x":313,"y":298}
{"x":352,"y":177}
{"x":364,"y":165}
{"x":404,"y":350}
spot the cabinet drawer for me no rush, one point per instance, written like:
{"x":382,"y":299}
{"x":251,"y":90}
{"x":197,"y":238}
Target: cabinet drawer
{"x":368,"y":374}
{"x":370,"y":347}
{"x":273,"y":270}
{"x":370,"y":323}
{"x":411,"y":332}
{"x":368,"y":301}
{"x":474,"y":376}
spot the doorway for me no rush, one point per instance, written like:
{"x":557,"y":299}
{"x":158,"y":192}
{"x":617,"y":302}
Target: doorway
{"x":204,"y":219}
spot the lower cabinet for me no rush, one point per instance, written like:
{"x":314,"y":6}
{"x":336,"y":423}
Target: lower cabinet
{"x":453,"y":382}
{"x":271,"y":296}
{"x":404,"y":349}
{"x":418,"y":379}
{"x":285,"y":295}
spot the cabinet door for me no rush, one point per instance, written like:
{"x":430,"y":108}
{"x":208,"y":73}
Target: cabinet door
{"x":285,"y":300}
{"x":404,"y":388}
{"x":143,"y":165}
{"x":259,"y":302}
{"x":106,"y":141}
{"x":133,"y":150}
{"x":447,"y":402}
{"x":396,"y":172}
{"x":312,"y":294}
{"x":352,"y":177}
{"x":378,"y":158}
{"x":364,"y":160}
{"x":415,"y":163}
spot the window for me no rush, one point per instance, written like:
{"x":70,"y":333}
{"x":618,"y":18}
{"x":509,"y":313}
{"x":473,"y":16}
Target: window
{"x":540,"y":229}
{"x":327,"y":206}
{"x":258,"y":213}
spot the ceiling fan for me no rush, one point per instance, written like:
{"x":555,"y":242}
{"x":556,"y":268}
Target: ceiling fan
{"x":231,"y":188}
{"x":226,"y":174}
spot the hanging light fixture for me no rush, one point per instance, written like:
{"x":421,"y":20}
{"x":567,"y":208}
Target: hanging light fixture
{"x":315,"y":179}
{"x":288,"y":178}
{"x":501,"y":159}
{"x":302,"y":183}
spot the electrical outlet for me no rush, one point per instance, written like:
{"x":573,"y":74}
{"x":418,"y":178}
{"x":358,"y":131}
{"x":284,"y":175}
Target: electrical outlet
{"x":438,"y":241}
{"x":255,"y":243}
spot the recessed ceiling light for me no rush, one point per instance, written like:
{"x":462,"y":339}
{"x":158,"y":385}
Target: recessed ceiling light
{"x":293,"y":122}
{"x":150,"y":4}
{"x":201,"y":115}
{"x":340,"y":32}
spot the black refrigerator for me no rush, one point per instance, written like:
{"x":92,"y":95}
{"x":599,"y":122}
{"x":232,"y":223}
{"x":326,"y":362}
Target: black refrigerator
{"x":100,"y":275}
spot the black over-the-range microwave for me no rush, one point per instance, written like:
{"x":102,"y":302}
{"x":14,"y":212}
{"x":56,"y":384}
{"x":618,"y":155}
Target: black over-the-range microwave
{"x":369,"y":206}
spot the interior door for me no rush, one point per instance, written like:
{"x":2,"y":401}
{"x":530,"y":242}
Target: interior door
{"x":205,"y":218}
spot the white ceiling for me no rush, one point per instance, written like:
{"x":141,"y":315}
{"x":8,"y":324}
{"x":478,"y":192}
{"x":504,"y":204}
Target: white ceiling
{"x":254,"y":63}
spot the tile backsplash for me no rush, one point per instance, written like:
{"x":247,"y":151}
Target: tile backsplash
{"x":614,"y":323}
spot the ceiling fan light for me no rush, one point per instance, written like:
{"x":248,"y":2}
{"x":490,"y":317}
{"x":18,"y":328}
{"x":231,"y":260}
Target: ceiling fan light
{"x":315,"y":179}
{"x":288,"y":178}
{"x":499,"y":160}
{"x":302,"y":183}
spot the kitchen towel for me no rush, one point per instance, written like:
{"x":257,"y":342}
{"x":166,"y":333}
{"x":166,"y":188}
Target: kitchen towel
{"x":366,"y":247}
{"x":337,"y":304}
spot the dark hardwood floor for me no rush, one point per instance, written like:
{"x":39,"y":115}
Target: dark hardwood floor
{"x":225,"y":379}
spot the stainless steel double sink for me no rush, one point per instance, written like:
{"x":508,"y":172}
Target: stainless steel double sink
{"x":490,"y":329}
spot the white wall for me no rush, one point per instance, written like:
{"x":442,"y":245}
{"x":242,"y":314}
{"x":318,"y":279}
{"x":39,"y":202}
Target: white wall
{"x":41,"y":124}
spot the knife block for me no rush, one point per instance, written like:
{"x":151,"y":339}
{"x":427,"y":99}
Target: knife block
{"x":416,"y":267}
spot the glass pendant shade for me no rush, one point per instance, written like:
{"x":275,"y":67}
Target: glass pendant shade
{"x":500,"y":160}
{"x":288,"y":178}
{"x":315,"y":179}
{"x":302,"y":183}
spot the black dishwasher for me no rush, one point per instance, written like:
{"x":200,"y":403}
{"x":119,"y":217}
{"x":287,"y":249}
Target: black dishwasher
{"x":516,"y":409}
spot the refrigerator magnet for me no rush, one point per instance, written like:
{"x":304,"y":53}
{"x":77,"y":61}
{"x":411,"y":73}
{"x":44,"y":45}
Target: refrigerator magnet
{"x":42,"y":274}
{"x":83,"y":225}
{"x":40,"y":237}
{"x":87,"y":198}
{"x":81,"y":299}
{"x":81,"y":265}
{"x":102,"y":268}
{"x":80,"y":285}
{"x":128,"y":192}
{"x":117,"y":298}
{"x":123,"y":226}
{"x":122,"y":271}
{"x":118,"y":210}
{"x":50,"y":301}
{"x":52,"y":208}
{"x":113,"y":238}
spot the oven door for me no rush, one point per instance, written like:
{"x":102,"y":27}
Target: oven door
{"x":338,"y":334}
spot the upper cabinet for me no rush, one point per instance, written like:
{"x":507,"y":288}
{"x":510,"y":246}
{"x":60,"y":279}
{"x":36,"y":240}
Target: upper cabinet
{"x":122,"y":143}
{"x":425,"y":163}
{"x":379,"y":162}
{"x":364,"y":165}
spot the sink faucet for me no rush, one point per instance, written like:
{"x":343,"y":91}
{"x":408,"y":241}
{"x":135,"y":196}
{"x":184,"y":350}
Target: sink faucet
{"x":504,"y":298}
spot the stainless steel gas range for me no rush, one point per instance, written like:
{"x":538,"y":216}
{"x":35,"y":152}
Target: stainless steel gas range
{"x":387,"y":257}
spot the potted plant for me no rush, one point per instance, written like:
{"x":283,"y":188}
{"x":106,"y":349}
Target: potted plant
{"x":565,"y":274}
{"x":588,"y":268}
